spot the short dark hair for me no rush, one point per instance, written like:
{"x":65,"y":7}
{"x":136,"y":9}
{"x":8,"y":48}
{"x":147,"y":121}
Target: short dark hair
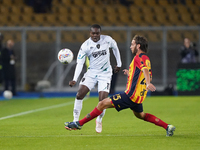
{"x":95,"y":26}
{"x":142,"y":41}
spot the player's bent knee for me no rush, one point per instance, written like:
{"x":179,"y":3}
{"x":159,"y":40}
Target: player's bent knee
{"x":139,"y":115}
{"x":104,"y":104}
{"x":80,"y":96}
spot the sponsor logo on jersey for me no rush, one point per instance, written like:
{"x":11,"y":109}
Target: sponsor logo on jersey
{"x":99,"y":53}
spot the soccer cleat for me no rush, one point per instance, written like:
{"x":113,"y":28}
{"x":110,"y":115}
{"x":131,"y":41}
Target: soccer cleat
{"x":170,"y":130}
{"x":72,"y":125}
{"x":98,"y":127}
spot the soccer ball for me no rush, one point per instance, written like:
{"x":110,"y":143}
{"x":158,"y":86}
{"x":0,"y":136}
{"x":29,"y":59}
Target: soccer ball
{"x":65,"y":56}
{"x":7,"y":94}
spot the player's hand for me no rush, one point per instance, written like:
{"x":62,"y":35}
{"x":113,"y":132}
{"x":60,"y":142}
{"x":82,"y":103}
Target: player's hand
{"x":126,"y":72}
{"x":72,"y":83}
{"x":116,"y":69}
{"x":151,"y":87}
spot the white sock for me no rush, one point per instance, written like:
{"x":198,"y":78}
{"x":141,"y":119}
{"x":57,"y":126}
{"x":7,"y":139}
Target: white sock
{"x":100,"y":117}
{"x":77,"y":109}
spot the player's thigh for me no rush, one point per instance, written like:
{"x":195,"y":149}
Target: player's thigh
{"x":82,"y":91}
{"x":88,"y":82}
{"x":104,"y":83}
{"x":139,"y":115}
{"x":106,"y":103}
{"x":103,"y":95}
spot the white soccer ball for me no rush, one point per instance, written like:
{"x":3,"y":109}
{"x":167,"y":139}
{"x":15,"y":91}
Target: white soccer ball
{"x":65,"y":56}
{"x":7,"y":94}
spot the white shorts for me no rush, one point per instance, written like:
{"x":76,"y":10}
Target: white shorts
{"x":103,"y":81}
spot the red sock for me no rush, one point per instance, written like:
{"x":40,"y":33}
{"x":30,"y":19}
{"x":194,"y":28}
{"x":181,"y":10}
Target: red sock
{"x":93,"y":114}
{"x":153,"y":119}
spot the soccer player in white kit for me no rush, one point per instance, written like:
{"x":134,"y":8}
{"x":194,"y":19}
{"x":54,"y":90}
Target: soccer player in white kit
{"x":97,"y":49}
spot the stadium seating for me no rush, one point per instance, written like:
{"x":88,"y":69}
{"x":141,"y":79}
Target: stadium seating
{"x":126,"y":20}
{"x":88,"y":19}
{"x":106,"y":13}
{"x":39,"y":19}
{"x":182,"y":9}
{"x":3,"y":20}
{"x":138,"y":19}
{"x":175,"y":36}
{"x":61,"y":10}
{"x":192,"y":35}
{"x":153,"y":36}
{"x":197,"y":18}
{"x":4,"y":10}
{"x":122,"y":10}
{"x":197,"y":2}
{"x":14,"y":20}
{"x":151,"y":3}
{"x":118,"y":36}
{"x":62,"y":19}
{"x":51,"y":20}
{"x":194,"y":9}
{"x":163,"y":2}
{"x":174,"y":19}
{"x":90,"y":2}
{"x":187,"y":19}
{"x":7,"y":2}
{"x":17,"y":36}
{"x":138,"y":2}
{"x":87,"y":10}
{"x":67,"y":36}
{"x":162,"y":20}
{"x":189,"y":3}
{"x":27,"y":10}
{"x":94,"y":9}
{"x":33,"y":36}
{"x":147,"y":10}
{"x":101,"y":19}
{"x":66,"y":2}
{"x":27,"y":20}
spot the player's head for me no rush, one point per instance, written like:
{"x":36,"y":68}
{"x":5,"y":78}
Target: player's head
{"x":187,"y":42}
{"x":95,"y":32}
{"x":10,"y":44}
{"x":139,"y":43}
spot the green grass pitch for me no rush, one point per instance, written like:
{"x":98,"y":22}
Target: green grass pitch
{"x":38,"y":124}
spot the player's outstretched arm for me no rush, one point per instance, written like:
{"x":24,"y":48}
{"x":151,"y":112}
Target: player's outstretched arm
{"x":79,"y":67}
{"x":150,"y":86}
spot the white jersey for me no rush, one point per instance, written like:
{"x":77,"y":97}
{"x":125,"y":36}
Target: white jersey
{"x":99,"y":56}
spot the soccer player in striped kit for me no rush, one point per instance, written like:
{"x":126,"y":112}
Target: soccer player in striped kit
{"x":138,"y":84}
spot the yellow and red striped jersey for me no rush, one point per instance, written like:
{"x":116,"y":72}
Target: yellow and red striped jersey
{"x":136,"y":83}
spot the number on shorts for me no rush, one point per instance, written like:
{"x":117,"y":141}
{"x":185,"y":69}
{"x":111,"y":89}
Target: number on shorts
{"x":116,"y":97}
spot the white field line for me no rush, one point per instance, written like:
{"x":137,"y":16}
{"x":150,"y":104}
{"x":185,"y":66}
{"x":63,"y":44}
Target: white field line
{"x":37,"y":110}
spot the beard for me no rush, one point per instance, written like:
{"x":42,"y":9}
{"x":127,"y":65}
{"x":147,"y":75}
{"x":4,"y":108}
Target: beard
{"x":135,"y":51}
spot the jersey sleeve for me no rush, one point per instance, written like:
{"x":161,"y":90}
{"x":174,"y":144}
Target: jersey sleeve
{"x":77,"y":72}
{"x":80,"y":61}
{"x":81,"y":55}
{"x":141,"y":63}
{"x":145,"y":63}
{"x":116,"y":52}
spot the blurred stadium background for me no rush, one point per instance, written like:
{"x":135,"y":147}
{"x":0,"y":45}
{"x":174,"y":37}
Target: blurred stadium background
{"x":39,"y":36}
